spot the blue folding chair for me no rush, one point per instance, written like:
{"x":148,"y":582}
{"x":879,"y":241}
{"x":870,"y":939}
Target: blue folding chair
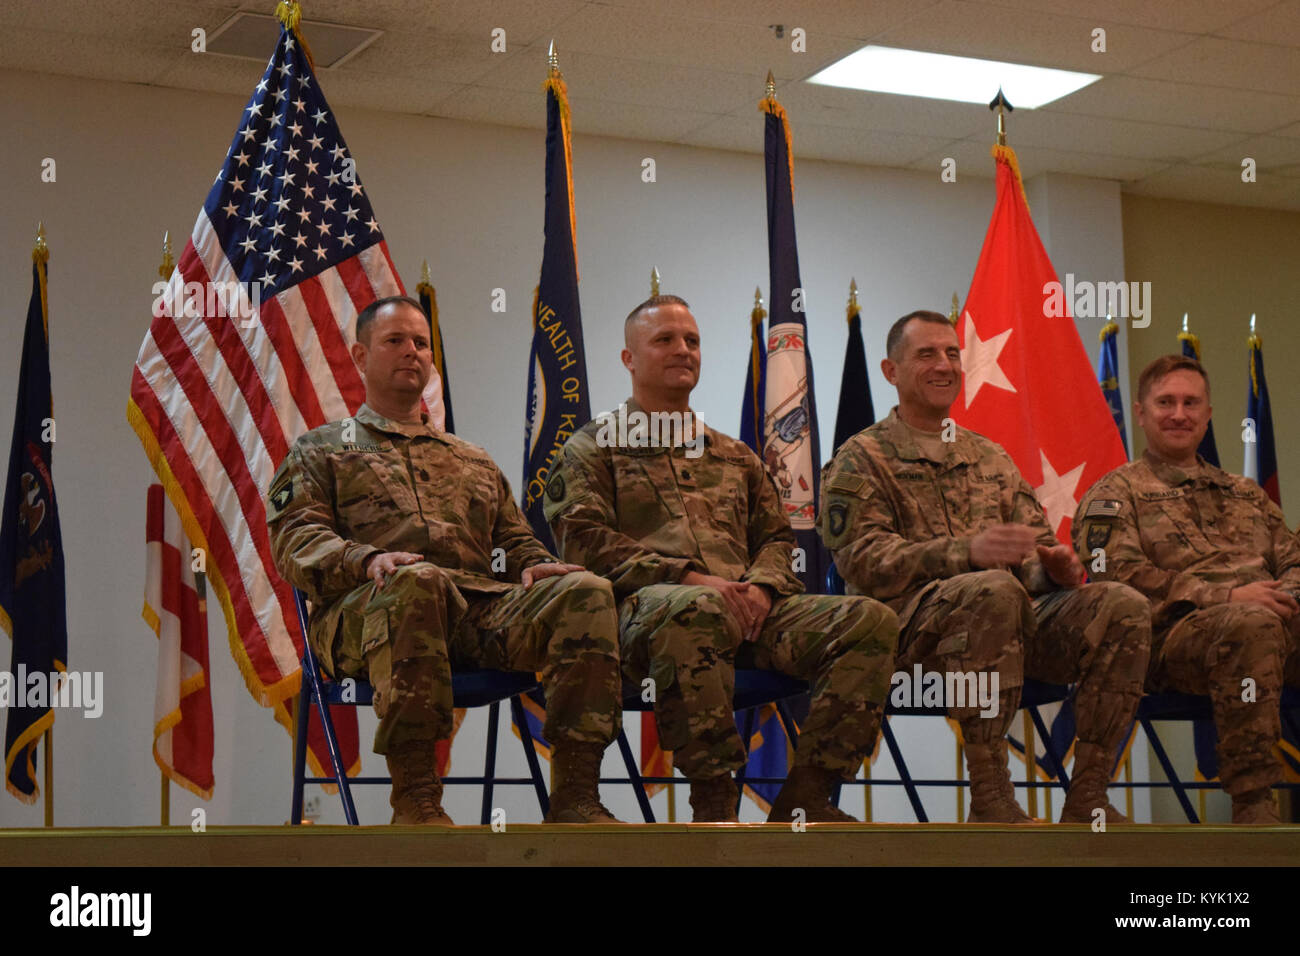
{"x":1187,"y":707}
{"x":1033,"y":694}
{"x":754,"y":688}
{"x":470,"y":688}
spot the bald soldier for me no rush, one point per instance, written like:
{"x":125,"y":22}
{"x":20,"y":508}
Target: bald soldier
{"x":1222,"y":572}
{"x":940,"y":524}
{"x":690,"y":531}
{"x":417,"y":559}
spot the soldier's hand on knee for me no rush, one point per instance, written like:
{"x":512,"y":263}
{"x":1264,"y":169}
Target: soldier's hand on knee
{"x":760,"y":602}
{"x":1268,"y":594}
{"x":1062,"y":565}
{"x":732,"y":595}
{"x":1002,"y":546}
{"x":548,"y":570}
{"x":380,"y":566}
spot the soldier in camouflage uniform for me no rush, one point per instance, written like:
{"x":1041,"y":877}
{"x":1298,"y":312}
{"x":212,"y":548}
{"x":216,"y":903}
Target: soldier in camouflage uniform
{"x":947,"y":532}
{"x":700,"y":552}
{"x":417,"y":559}
{"x":1222,"y":571}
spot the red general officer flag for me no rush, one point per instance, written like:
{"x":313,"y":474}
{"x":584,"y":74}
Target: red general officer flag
{"x":1028,"y":384}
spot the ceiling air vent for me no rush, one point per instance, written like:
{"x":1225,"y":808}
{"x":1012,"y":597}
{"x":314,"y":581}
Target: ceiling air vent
{"x":252,"y":36}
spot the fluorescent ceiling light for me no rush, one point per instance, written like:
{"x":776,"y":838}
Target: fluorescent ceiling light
{"x":938,"y":76}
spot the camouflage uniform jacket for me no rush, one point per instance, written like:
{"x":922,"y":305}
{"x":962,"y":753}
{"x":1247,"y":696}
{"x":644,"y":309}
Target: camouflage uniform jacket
{"x":1183,"y":541}
{"x":393,"y":487}
{"x":898,"y":523}
{"x":643,"y":516}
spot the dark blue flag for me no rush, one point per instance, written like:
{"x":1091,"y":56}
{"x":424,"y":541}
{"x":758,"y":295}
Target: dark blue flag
{"x":1261,"y":454}
{"x":558,"y":402}
{"x":1208,"y":449}
{"x":751,"y":405}
{"x":1108,"y":377}
{"x":856,"y":410}
{"x":791,"y":450}
{"x":32,"y":606}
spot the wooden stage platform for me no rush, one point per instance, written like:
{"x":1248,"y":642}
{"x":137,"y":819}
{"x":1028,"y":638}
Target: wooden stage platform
{"x":666,"y":844}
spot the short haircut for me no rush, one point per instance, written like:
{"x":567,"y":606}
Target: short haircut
{"x":368,"y":314}
{"x":1165,"y":364}
{"x":894,"y":341}
{"x":655,"y":300}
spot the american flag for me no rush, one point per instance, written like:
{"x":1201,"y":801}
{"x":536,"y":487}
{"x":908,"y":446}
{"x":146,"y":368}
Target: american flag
{"x":217,"y":399}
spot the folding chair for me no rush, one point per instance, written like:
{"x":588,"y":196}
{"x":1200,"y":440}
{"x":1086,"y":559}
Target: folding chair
{"x":1187,"y":707}
{"x":754,"y":688}
{"x":470,"y":688}
{"x":1033,"y":695}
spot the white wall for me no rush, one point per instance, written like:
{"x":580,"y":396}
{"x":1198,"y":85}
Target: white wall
{"x":134,"y":160}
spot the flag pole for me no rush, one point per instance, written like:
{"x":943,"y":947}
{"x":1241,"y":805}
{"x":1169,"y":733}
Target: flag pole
{"x":165,"y":795}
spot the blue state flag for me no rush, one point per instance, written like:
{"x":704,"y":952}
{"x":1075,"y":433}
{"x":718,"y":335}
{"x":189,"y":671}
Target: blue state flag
{"x":558,"y":402}
{"x":751,"y":404}
{"x":1261,"y":454}
{"x":856,"y":410}
{"x":791,"y":449}
{"x":1208,"y":449}
{"x":32,"y":608}
{"x":1108,"y":377}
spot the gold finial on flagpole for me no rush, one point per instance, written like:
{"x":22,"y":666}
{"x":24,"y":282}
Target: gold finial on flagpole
{"x":1252,"y":325}
{"x":168,"y":263}
{"x":41,"y":252}
{"x":853,"y":295}
{"x":1184,"y":322}
{"x":955,"y":311}
{"x":654,"y":282}
{"x":1003,"y":106}
{"x":424,"y":273}
{"x":553,"y":60}
{"x":769,"y":89}
{"x":758,"y":312}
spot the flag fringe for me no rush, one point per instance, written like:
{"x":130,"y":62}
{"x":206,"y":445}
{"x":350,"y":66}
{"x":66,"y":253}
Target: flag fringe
{"x":555,"y":84}
{"x":267,"y":695}
{"x":1005,"y":154}
{"x":28,"y":736}
{"x":1192,"y":339}
{"x":425,"y":288}
{"x":769,"y":105}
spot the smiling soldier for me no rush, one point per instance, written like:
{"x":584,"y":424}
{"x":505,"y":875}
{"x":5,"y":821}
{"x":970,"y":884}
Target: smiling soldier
{"x":699,"y":550}
{"x":938,"y":522}
{"x":1221,"y":569}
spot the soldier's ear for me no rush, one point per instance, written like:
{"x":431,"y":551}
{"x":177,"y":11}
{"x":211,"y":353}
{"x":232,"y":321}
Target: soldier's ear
{"x":358,"y":352}
{"x":626,"y":356}
{"x":890,"y":370}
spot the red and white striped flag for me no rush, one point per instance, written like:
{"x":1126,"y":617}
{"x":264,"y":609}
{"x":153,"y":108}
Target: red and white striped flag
{"x":176,"y":608}
{"x":249,"y":348}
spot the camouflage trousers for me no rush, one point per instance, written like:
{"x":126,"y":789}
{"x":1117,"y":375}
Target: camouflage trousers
{"x":1098,"y":635}
{"x":1213,"y":651}
{"x":421,"y":625}
{"x":686,"y":640}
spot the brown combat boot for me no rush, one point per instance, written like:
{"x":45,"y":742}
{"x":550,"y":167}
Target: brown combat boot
{"x":713,"y":800}
{"x":417,"y":791}
{"x":808,"y":789}
{"x":575,"y":785}
{"x":1088,"y":787}
{"x":992,"y":797}
{"x":1255,"y":808}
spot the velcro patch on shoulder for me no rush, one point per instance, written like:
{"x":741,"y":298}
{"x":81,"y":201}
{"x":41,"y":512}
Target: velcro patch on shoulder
{"x":1103,"y":508}
{"x":848,"y":484}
